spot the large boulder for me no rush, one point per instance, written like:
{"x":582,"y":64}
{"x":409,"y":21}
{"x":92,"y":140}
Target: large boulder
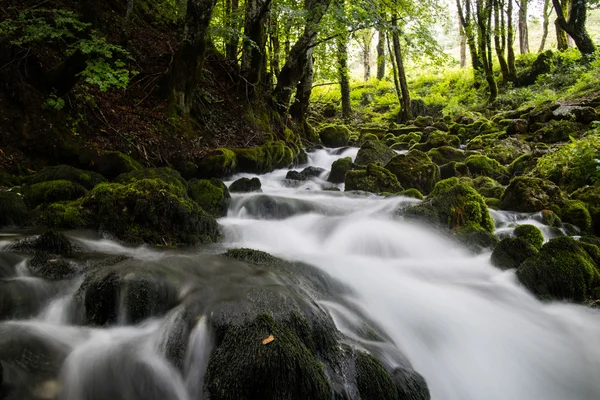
{"x":245,"y":185}
{"x":167,"y":175}
{"x":87,"y":179}
{"x":415,"y":170}
{"x":111,"y":163}
{"x":335,"y":135}
{"x":528,"y":194}
{"x":51,"y":192}
{"x":480,"y":165}
{"x":511,"y":252}
{"x":373,"y":151}
{"x":445,"y":154}
{"x":590,"y":196}
{"x":531,"y":234}
{"x":150,"y":211}
{"x":14,"y":211}
{"x":564,"y":269}
{"x":374,"y":179}
{"x":339,"y":168}
{"x":49,"y":242}
{"x":265,"y":158}
{"x":575,"y":212}
{"x":217,"y":164}
{"x":210,"y":194}
{"x":558,"y":131}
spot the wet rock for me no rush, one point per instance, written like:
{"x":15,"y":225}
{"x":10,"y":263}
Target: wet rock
{"x":212,"y":195}
{"x":373,"y":380}
{"x":313,"y":171}
{"x":415,"y":170}
{"x":339,"y":168}
{"x":374,"y":179}
{"x":531,"y":234}
{"x":334,"y":135}
{"x":244,"y":185}
{"x":511,"y":252}
{"x":528,"y":194}
{"x":517,"y":126}
{"x":14,"y":211}
{"x":584,"y":115}
{"x":24,"y":298}
{"x":410,"y":385}
{"x":48,"y":243}
{"x":296,"y":176}
{"x":53,"y":267}
{"x":373,"y":151}
{"x":87,"y":179}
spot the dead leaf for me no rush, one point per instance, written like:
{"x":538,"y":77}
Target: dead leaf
{"x":268,"y":340}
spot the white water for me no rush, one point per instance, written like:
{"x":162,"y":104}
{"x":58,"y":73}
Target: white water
{"x":470,"y":329}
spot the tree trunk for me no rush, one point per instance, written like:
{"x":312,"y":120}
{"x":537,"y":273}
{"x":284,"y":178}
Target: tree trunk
{"x":381,"y":55}
{"x":253,"y":52}
{"x":295,"y":64}
{"x":484,"y":25}
{"x":299,"y":107}
{"x":463,"y":45}
{"x":500,"y":38}
{"x":510,"y":40}
{"x":187,"y":66}
{"x":394,"y":71}
{"x":231,"y":46}
{"x":406,"y":111}
{"x":545,"y":24}
{"x":126,"y":32}
{"x":523,"y":30}
{"x":467,"y":23}
{"x":366,"y":57}
{"x":275,"y":47}
{"x":342,"y":59}
{"x":575,"y":24}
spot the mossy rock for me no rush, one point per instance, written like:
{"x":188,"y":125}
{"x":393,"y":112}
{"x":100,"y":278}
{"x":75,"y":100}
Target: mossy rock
{"x":52,"y":267}
{"x":590,"y":195}
{"x":531,"y":234}
{"x":558,"y":131}
{"x":423,"y":120}
{"x":87,"y":179}
{"x":210,"y":194}
{"x":507,"y":150}
{"x":522,"y":165}
{"x":372,"y":379}
{"x":413,"y":193}
{"x":487,"y":187}
{"x":437,"y":139}
{"x":511,"y":252}
{"x":415,"y":170}
{"x":113,"y":163}
{"x":51,"y":192}
{"x":407,"y":129}
{"x":410,"y":385}
{"x":542,"y":113}
{"x":445,"y":154}
{"x":14,"y":211}
{"x":528,"y":194}
{"x":218,"y":164}
{"x":482,"y":142}
{"x":63,"y":215}
{"x":334,"y":135}
{"x":167,"y":175}
{"x":150,"y":211}
{"x":550,"y":219}
{"x":480,"y":165}
{"x":9,"y":180}
{"x":374,"y":179}
{"x":264,"y":158}
{"x":575,"y":212}
{"x":49,"y":242}
{"x":339,"y":168}
{"x":564,"y":269}
{"x":494,"y":204}
{"x":374,"y":152}
{"x":245,"y":185}
{"x":454,"y":206}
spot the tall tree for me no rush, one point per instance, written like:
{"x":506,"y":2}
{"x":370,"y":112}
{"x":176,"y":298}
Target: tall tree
{"x":365,"y":37}
{"x":380,"y":54}
{"x":562,"y":41}
{"x":574,"y":24}
{"x":484,"y":36}
{"x":523,"y":29}
{"x":299,"y":107}
{"x":469,"y":26}
{"x":406,"y":109}
{"x":253,"y":53}
{"x":231,"y":45}
{"x":500,"y":38}
{"x":463,"y":45}
{"x":342,"y":58}
{"x":545,"y":24}
{"x":510,"y":40}
{"x":187,"y":65}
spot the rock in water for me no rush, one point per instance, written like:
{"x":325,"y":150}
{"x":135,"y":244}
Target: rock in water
{"x":244,"y":185}
{"x":50,"y":243}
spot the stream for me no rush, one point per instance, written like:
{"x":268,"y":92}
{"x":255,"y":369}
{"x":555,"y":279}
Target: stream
{"x":467,"y":327}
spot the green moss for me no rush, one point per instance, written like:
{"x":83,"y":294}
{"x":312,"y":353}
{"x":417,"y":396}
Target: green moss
{"x":511,"y":252}
{"x":335,"y":135}
{"x":522,"y":165}
{"x":218,"y":164}
{"x":52,"y":191}
{"x":167,"y":175}
{"x":374,"y":179}
{"x":113,"y":163}
{"x":480,"y":165}
{"x":414,"y":193}
{"x":87,"y":179}
{"x":576,"y":213}
{"x":494,"y":204}
{"x":557,"y":131}
{"x":590,"y":195}
{"x":563,"y":270}
{"x":373,"y":151}
{"x":264,"y":158}
{"x":487,"y":187}
{"x":415,"y":170}
{"x":550,"y":218}
{"x":63,"y":215}
{"x":439,"y":139}
{"x":244,"y":185}
{"x":339,"y":168}
{"x":445,"y":154}
{"x":150,"y":211}
{"x":528,"y":194}
{"x":372,"y":379}
{"x":14,"y":211}
{"x":531,"y":234}
{"x":211,"y":195}
{"x":9,"y":180}
{"x":423,"y":121}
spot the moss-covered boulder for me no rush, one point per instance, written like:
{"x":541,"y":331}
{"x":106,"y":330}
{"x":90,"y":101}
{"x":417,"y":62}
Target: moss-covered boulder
{"x":480,"y":165}
{"x":210,"y":194}
{"x":335,"y":135}
{"x":575,"y":212}
{"x":423,"y":120}
{"x":373,"y":380}
{"x":558,"y":131}
{"x":217,"y":164}
{"x":437,"y":139}
{"x":590,"y":196}
{"x":522,"y":165}
{"x":564,"y":269}
{"x":167,"y":175}
{"x":264,"y":158}
{"x":415,"y":170}
{"x":14,"y":211}
{"x":339,"y":168}
{"x":374,"y":152}
{"x":549,"y":218}
{"x":52,"y":191}
{"x":245,"y":185}
{"x":374,"y":179}
{"x":542,"y":113}
{"x":49,"y":242}
{"x":87,"y":179}
{"x":511,"y":252}
{"x":63,"y":215}
{"x":507,"y":150}
{"x":528,"y":194}
{"x":487,"y":187}
{"x":531,"y":234}
{"x":413,"y":193}
{"x":445,"y":154}
{"x":150,"y":211}
{"x":112,"y":163}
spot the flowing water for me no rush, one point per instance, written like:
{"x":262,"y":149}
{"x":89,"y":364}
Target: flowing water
{"x":470,"y":329}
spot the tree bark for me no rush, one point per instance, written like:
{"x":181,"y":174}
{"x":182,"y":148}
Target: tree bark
{"x":381,"y":55}
{"x":484,"y":25}
{"x":463,"y":45}
{"x":366,"y":56}
{"x":295,"y":64}
{"x":545,"y":24}
{"x":126,"y":32}
{"x":394,"y":71}
{"x":231,"y":45}
{"x":510,"y":40}
{"x":523,"y":29}
{"x":575,"y":24}
{"x":467,"y":23}
{"x":342,"y":59}
{"x":300,"y":105}
{"x":406,"y":111}
{"x":253,"y":52}
{"x":187,"y":66}
{"x":275,"y":46}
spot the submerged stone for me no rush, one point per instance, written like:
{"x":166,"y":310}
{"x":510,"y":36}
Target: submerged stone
{"x":245,"y":185}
